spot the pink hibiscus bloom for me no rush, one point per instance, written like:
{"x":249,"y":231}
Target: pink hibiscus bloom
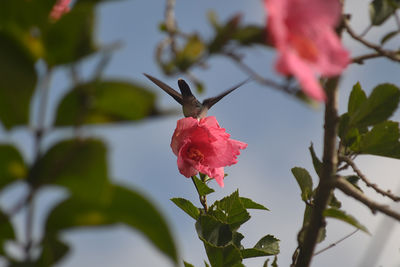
{"x":59,"y":9}
{"x":303,"y":31}
{"x":203,"y":146}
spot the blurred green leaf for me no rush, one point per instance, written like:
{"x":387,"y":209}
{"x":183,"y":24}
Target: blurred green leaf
{"x":53,"y":250}
{"x":389,"y":36}
{"x":20,"y":15}
{"x":105,"y":102}
{"x":71,"y":37}
{"x":353,"y":179}
{"x":306,"y":221}
{"x":187,"y":207}
{"x":202,"y":187}
{"x":250,"y":204}
{"x":192,"y":52}
{"x":17,"y":82}
{"x":230,"y":210}
{"x":304,"y":180}
{"x":186,"y":264}
{"x":315,"y":160}
{"x":357,"y":99}
{"x":334,"y":202}
{"x":224,"y":34}
{"x":379,"y":106}
{"x":121,"y":205}
{"x":78,"y":165}
{"x":250,"y":34}
{"x":382,"y":140}
{"x":267,"y":246}
{"x":381,"y":10}
{"x":6,"y":231}
{"x":206,"y":264}
{"x":12,"y":165}
{"x":341,"y":215}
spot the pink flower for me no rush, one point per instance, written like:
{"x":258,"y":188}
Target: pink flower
{"x":203,"y":146}
{"x":303,"y":31}
{"x":59,"y":9}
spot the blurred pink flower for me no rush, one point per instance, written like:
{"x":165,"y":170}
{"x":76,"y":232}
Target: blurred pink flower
{"x":303,"y":31}
{"x":59,"y":9}
{"x":203,"y":146}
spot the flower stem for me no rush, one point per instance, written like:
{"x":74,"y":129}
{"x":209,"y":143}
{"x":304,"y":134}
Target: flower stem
{"x":203,"y":199}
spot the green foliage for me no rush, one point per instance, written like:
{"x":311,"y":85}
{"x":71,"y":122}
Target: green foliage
{"x":53,"y":250}
{"x":316,"y":161}
{"x":17,"y":82}
{"x":341,"y":215}
{"x":267,"y":246}
{"x":186,"y":264}
{"x":381,"y":10}
{"x":120,"y":205}
{"x":6,"y":231}
{"x":363,"y":112}
{"x":12,"y":166}
{"x":379,"y":106}
{"x":304,"y":180}
{"x":217,"y":228}
{"x":71,"y":37}
{"x":187,"y":207}
{"x":76,"y":165}
{"x":202,"y":187}
{"x":104,"y":102}
{"x":250,"y":204}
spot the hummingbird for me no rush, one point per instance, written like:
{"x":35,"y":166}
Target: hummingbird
{"x":191,"y":107}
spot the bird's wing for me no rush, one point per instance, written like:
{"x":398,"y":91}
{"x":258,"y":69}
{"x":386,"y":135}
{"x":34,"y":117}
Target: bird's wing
{"x":169,"y":90}
{"x":209,"y":102}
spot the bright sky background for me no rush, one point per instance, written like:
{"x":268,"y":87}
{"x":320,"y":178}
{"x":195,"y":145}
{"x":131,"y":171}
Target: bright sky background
{"x":277,"y":128}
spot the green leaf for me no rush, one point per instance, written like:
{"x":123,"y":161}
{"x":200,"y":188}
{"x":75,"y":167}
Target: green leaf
{"x":104,"y":102}
{"x":341,"y":215}
{"x":12,"y":166}
{"x":53,"y":250}
{"x":213,"y":231}
{"x":223,"y":256}
{"x":206,"y":264}
{"x":250,"y":34}
{"x":187,"y":207}
{"x":193,"y":51}
{"x":122,"y":206}
{"x":187,"y":264}
{"x":382,"y":140}
{"x":79,"y":165}
{"x":224,"y":34}
{"x":71,"y":37}
{"x":17,"y":82}
{"x":230,"y":210}
{"x":353,"y":180}
{"x":202,"y":187}
{"x":306,"y":221}
{"x":381,"y":10}
{"x":267,"y":246}
{"x":315,"y":160}
{"x":304,"y":180}
{"x":6,"y":231}
{"x":379,"y":106}
{"x":357,"y":99}
{"x":250,"y":204}
{"x":334,"y":202}
{"x":389,"y":36}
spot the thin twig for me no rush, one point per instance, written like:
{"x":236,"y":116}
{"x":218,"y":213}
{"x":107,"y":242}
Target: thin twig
{"x":393,"y":55}
{"x":366,"y":30}
{"x":254,"y":75}
{"x":203,"y":199}
{"x":335,"y":243}
{"x":367,"y":182}
{"x":360,"y":59}
{"x":351,"y":191}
